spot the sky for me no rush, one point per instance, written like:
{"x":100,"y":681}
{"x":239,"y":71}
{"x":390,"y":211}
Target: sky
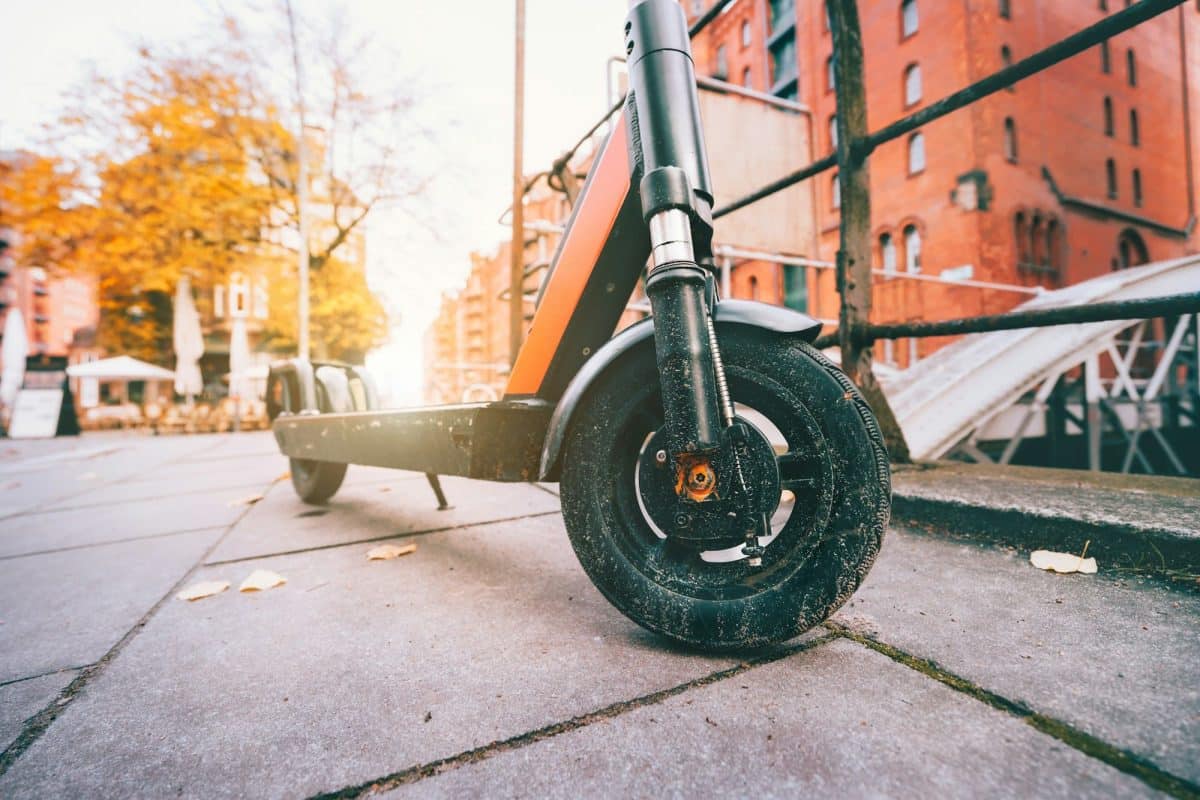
{"x":460,"y":56}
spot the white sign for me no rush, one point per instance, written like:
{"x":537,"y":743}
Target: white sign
{"x":35,"y":414}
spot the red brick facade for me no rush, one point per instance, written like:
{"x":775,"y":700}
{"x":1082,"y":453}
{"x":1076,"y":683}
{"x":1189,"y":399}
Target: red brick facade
{"x":1014,"y":189}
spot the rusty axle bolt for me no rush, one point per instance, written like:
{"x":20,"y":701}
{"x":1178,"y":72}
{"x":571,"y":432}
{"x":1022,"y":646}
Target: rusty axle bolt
{"x":660,"y":457}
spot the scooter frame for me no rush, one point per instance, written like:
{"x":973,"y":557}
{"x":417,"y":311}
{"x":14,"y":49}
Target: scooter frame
{"x":647,"y":194}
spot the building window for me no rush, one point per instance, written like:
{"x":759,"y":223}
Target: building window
{"x":1037,"y":240}
{"x":912,"y":249}
{"x":1006,"y":61}
{"x":1135,"y":136}
{"x":1105,"y":57}
{"x":753,"y":287}
{"x":1021,"y":234}
{"x":1110,"y":173}
{"x":830,"y":77}
{"x":912,"y":84}
{"x":833,"y":140}
{"x":747,"y":79}
{"x":835,"y":192}
{"x":887,"y":253}
{"x":1010,"y":139}
{"x":795,"y":288}
{"x":1104,"y":5}
{"x":784,"y":78}
{"x":908,"y":18}
{"x":1108,"y":116}
{"x":722,"y":70}
{"x":1053,"y":244}
{"x":1005,"y":9}
{"x":1137,"y":187}
{"x":1131,"y":67}
{"x":916,"y":153}
{"x":746,"y":33}
{"x":239,"y":296}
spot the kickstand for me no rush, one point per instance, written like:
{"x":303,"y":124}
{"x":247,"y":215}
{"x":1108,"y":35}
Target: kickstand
{"x":436,"y":485}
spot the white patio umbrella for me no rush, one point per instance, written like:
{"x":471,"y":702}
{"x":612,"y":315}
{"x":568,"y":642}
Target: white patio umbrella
{"x":13,"y":352}
{"x":239,"y":359}
{"x":189,"y":342}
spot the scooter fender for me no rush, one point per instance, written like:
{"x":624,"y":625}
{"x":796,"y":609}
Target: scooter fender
{"x":728,"y":312}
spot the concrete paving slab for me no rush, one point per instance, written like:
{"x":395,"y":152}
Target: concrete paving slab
{"x":282,"y":523}
{"x":21,"y":700}
{"x":55,"y":530}
{"x":266,"y":467}
{"x":44,"y":475}
{"x":836,"y":721}
{"x":351,"y":670}
{"x":1115,"y":658}
{"x":230,"y":485}
{"x":67,"y":609}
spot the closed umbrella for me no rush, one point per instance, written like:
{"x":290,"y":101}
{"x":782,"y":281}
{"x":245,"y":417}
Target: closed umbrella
{"x":189,"y":342}
{"x":13,"y":353}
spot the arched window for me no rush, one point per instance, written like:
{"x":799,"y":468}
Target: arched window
{"x":1135,"y":135}
{"x":1053,"y":244}
{"x":1021,"y":238}
{"x":887,"y":253}
{"x":1131,"y":67}
{"x":1105,"y":57}
{"x":909,"y":23}
{"x":1037,"y":241}
{"x":830,"y":79}
{"x":835,"y":192}
{"x":1005,"y":9}
{"x":1137,"y":187}
{"x":916,"y":153}
{"x":753,"y":287}
{"x":747,"y":80}
{"x":1010,"y":139}
{"x":833,"y":140}
{"x":1131,"y":249}
{"x":1108,"y":116}
{"x":746,"y":33}
{"x":912,"y":84}
{"x":912,"y":249}
{"x":1110,"y":174}
{"x":1006,"y":60}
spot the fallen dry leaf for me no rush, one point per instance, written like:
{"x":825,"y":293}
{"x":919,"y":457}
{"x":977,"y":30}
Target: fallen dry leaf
{"x":1063,"y":563}
{"x":198,"y":591}
{"x":248,"y":500}
{"x":386,"y":552}
{"x":261,"y":580}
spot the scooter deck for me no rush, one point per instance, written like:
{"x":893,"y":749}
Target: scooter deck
{"x":498,"y":441}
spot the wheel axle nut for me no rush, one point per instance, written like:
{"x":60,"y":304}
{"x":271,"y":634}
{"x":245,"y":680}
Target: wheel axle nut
{"x":661,"y":456}
{"x":682,"y":520}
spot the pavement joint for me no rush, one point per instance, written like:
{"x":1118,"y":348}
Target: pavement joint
{"x":40,"y":722}
{"x":69,"y":548}
{"x":54,"y":671}
{"x":1115,"y":757}
{"x":483,"y":752}
{"x":249,"y":484}
{"x":383,"y":538}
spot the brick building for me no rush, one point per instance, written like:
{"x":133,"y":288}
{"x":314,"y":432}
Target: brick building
{"x":466,"y":348}
{"x":1083,"y":168}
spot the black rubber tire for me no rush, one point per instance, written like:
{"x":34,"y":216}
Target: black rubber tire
{"x":316,"y":482}
{"x":823,"y":551}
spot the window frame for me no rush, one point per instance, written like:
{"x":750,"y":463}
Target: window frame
{"x":917,"y":139}
{"x":1011,"y":149}
{"x":1110,"y":125}
{"x":1110,"y":176}
{"x":905,"y":5}
{"x":913,"y":69}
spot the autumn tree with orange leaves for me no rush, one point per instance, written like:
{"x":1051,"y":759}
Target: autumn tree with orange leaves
{"x":188,"y":166}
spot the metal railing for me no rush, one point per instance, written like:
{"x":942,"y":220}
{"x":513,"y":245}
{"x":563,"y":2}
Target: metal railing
{"x":855,"y":334}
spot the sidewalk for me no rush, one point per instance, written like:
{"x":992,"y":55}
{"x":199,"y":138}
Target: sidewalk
{"x":485,"y":664}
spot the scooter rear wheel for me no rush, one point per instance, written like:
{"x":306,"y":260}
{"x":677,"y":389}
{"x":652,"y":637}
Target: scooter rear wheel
{"x":823,"y":542}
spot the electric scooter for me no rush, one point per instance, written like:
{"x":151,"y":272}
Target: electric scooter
{"x":674,"y":441}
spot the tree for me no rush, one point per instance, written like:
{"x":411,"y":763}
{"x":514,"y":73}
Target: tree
{"x":188,"y":166}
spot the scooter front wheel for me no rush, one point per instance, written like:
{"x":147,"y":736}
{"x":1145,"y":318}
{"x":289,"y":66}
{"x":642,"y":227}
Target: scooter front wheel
{"x":836,"y":498}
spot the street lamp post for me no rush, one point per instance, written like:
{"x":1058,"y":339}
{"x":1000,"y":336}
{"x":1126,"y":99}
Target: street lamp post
{"x":517,"y":278}
{"x":302,"y":341}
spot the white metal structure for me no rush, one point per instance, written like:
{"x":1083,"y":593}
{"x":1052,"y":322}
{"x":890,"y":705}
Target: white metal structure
{"x":976,"y":389}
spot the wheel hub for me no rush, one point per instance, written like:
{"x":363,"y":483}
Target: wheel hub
{"x":698,"y":499}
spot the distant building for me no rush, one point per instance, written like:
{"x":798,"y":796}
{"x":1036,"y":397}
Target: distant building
{"x":1084,"y":168}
